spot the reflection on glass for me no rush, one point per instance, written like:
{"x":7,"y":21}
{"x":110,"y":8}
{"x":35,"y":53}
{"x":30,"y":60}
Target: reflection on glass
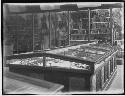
{"x":51,"y":62}
{"x":35,"y":61}
{"x":87,"y":53}
{"x":44,"y":30}
{"x":61,"y":28}
{"x":20,"y":32}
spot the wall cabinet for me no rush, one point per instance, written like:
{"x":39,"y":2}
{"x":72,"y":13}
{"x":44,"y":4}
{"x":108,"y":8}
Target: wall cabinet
{"x":49,"y":30}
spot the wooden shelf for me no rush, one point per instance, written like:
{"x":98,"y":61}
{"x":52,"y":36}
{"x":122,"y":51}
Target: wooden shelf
{"x":92,"y":40}
{"x":95,"y":29}
{"x":105,"y":17}
{"x":85,"y":18}
{"x":100,"y":22}
{"x":75,"y":29}
{"x":79,"y":34}
{"x":78,"y":40}
{"x":79,"y":11}
{"x":98,"y":9}
{"x":99,"y":33}
{"x":83,"y":29}
{"x":79,"y":29}
{"x":15,"y":25}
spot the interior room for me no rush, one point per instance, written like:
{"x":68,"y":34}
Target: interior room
{"x":63,"y":48}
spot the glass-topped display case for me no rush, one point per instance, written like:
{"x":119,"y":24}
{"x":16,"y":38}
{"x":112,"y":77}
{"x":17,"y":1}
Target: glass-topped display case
{"x":20,"y":30}
{"x":100,"y":24}
{"x":79,"y":66}
{"x":64,"y":64}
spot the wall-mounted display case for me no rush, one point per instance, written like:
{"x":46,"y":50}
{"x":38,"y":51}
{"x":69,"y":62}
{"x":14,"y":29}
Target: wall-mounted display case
{"x":20,"y":28}
{"x":100,"y":25}
{"x":79,"y":24}
{"x":52,"y":29}
{"x":87,"y":67}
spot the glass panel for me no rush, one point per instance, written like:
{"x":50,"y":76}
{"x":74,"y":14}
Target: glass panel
{"x":102,"y":75}
{"x":114,"y":61}
{"x":51,"y":62}
{"x":43,"y":24}
{"x":35,"y":61}
{"x":98,"y":81}
{"x":77,"y":84}
{"x":106,"y":72}
{"x":83,"y":52}
{"x":111,"y":62}
{"x":20,"y":28}
{"x":59,"y":29}
{"x":36,"y":32}
{"x":109,"y":65}
{"x":54,"y":34}
{"x":79,"y":23}
{"x":100,"y":25}
{"x":62,"y":28}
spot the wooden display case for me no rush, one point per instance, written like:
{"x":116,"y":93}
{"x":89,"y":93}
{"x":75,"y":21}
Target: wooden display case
{"x":103,"y":21}
{"x":87,"y":67}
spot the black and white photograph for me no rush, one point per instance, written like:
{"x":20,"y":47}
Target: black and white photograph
{"x":63,"y":48}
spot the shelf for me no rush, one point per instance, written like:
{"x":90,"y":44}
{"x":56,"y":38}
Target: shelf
{"x":98,"y":9}
{"x":83,"y":10}
{"x":99,"y":33}
{"x":15,"y":25}
{"x":78,"y":40}
{"x":83,"y":29}
{"x":85,"y":18}
{"x":79,"y":29}
{"x":79,"y":11}
{"x":100,"y":22}
{"x":79,"y":34}
{"x":15,"y":29}
{"x":95,"y":29}
{"x":75,"y":29}
{"x":105,"y":17}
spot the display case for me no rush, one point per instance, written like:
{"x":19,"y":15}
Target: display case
{"x":117,"y":23}
{"x":87,"y":67}
{"x":38,"y":30}
{"x":79,"y":27}
{"x":89,"y":24}
{"x":100,"y":25}
{"x":59,"y":29}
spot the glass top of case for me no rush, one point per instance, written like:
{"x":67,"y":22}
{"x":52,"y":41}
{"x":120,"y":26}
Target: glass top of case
{"x":90,"y":53}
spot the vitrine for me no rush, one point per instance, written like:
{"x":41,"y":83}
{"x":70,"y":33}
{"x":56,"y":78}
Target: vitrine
{"x":86,"y":67}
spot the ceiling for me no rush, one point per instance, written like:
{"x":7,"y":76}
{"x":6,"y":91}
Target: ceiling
{"x":32,"y":7}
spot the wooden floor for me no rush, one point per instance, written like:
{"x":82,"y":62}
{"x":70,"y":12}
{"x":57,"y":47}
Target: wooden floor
{"x":13,"y":86}
{"x":17,"y":87}
{"x":20,"y":84}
